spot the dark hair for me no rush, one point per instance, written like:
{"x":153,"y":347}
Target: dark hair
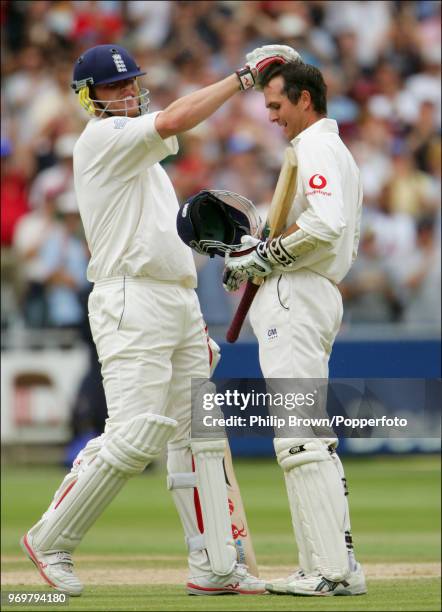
{"x":297,"y":77}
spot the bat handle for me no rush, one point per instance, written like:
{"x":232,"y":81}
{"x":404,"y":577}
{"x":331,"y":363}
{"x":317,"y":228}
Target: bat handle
{"x":241,"y":313}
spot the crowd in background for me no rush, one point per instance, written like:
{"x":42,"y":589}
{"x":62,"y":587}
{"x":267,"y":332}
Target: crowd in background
{"x":381,"y":61}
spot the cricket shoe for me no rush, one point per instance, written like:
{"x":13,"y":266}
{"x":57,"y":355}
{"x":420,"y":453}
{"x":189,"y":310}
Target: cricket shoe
{"x":239,"y":582}
{"x":279,"y":585}
{"x":317,"y":585}
{"x":55,"y":568}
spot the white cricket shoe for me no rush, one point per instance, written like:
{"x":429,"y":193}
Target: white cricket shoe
{"x":55,"y":568}
{"x":279,"y":585}
{"x":239,"y":582}
{"x":316,"y":585}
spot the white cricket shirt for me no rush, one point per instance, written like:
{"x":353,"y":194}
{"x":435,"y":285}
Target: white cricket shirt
{"x":328,"y":200}
{"x":127,"y":202}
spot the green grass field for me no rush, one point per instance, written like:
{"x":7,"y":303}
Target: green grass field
{"x":395,"y":506}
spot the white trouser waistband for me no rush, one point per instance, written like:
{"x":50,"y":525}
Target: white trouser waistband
{"x":118,"y":280}
{"x":300,"y":272}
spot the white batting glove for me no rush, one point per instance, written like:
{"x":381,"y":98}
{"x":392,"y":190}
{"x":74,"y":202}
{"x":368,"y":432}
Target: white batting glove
{"x":250,"y":260}
{"x":261,"y":57}
{"x":232,"y":280}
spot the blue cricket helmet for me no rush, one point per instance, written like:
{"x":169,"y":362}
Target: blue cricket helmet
{"x":104,"y":64}
{"x":214,"y":221}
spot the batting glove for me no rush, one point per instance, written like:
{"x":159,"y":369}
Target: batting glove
{"x":250,"y":260}
{"x":232,"y":279}
{"x":261,"y":57}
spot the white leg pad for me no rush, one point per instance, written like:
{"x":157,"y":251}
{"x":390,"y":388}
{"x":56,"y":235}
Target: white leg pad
{"x":347,"y":524}
{"x":208,"y":456}
{"x":125,"y":453}
{"x":304,"y":555}
{"x":181,"y":482}
{"x":315,"y":488}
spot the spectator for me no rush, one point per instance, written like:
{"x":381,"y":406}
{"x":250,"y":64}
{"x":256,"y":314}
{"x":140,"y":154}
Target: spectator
{"x":65,"y":259}
{"x":368,"y":289}
{"x":421,"y":135}
{"x":409,"y":189}
{"x":420,"y":279}
{"x":193,"y":171}
{"x":384,"y":90}
{"x":354,"y":16}
{"x":433,"y":163}
{"x":14,"y":193}
{"x":425,"y":85}
{"x":403,"y":47}
{"x":24,"y":88}
{"x":149,"y":22}
{"x":30,"y":236}
{"x":395,"y":231}
{"x":95,"y":24}
{"x":371,"y":149}
{"x":59,"y":178}
{"x":14,"y":198}
{"x":240,"y":171}
{"x":340,"y":106}
{"x":392,"y":101}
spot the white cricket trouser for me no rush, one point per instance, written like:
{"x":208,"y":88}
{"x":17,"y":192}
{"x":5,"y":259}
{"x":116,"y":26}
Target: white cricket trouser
{"x":295,"y":317}
{"x":151,"y":341}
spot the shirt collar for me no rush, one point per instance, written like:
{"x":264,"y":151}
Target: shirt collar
{"x":321,"y":126}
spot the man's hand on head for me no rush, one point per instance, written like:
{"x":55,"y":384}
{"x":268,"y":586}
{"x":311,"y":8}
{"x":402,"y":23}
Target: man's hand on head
{"x":262,"y":57}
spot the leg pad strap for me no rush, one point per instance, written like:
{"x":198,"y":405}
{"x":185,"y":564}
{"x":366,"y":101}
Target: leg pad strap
{"x":181,"y":480}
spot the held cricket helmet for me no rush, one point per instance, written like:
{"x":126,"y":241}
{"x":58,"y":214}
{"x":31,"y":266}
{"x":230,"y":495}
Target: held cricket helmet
{"x":214,"y":221}
{"x":102,"y":65}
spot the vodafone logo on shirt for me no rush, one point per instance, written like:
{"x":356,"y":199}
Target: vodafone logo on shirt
{"x":317,"y":182}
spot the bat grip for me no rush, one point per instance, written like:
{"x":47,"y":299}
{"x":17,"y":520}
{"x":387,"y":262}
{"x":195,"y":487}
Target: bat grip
{"x":241,"y":313}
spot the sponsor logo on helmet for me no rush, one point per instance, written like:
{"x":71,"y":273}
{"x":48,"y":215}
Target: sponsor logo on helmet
{"x":119,"y":62}
{"x":317,"y":183}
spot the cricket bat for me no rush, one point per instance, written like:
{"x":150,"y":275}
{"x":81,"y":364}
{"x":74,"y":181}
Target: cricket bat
{"x":279,"y":209}
{"x":240,"y":530}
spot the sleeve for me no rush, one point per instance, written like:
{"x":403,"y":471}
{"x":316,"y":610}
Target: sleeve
{"x":127,"y":146}
{"x":321,"y":185}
